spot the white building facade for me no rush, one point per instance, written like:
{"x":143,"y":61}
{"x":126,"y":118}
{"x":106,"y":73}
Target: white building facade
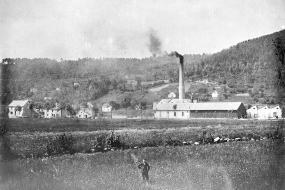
{"x":264,"y":112}
{"x":85,"y":113}
{"x":106,"y":107}
{"x":52,"y":113}
{"x":18,"y":108}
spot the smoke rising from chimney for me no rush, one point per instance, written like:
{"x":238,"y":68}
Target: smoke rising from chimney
{"x":174,"y":53}
{"x":181,"y":74}
{"x":154,"y":45}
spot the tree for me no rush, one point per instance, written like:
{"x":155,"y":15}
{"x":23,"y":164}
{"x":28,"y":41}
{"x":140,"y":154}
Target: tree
{"x":95,"y":109}
{"x":126,"y":103}
{"x":18,"y":108}
{"x":114,"y":105}
{"x":203,"y":90}
{"x":142,"y":105}
{"x":113,"y":84}
{"x":279,"y":50}
{"x":139,"y":80}
{"x":70,"y":109}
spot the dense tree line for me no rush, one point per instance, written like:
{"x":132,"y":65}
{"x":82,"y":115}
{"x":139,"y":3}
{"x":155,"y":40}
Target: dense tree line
{"x":279,"y":50}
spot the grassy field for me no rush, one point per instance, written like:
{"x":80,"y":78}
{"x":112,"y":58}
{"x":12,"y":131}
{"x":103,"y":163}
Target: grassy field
{"x":231,"y":165}
{"x":237,"y":165}
{"x":31,"y":136}
{"x":70,"y":125}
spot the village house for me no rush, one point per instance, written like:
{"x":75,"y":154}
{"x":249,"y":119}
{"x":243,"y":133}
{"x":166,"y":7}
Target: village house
{"x":252,"y":112}
{"x":215,"y":94}
{"x":171,"y":95}
{"x":90,"y":105}
{"x":264,"y":112}
{"x":34,"y":90}
{"x":19,"y":108}
{"x":106,"y":107}
{"x":179,"y":109}
{"x":55,"y":112}
{"x":85,"y":113}
{"x":275,"y":111}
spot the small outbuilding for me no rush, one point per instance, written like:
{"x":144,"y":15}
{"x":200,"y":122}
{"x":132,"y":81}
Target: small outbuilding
{"x":171,"y":95}
{"x":215,"y":94}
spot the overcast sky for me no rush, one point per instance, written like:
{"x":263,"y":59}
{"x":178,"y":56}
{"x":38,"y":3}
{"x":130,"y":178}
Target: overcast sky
{"x":122,"y":28}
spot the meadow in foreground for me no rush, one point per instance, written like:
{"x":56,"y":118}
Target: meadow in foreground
{"x":234,"y":165}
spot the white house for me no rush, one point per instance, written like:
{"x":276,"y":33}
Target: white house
{"x":33,"y":90}
{"x":22,"y":105}
{"x":90,"y":105}
{"x":215,"y":94}
{"x":171,"y":95}
{"x":252,"y":112}
{"x":172,"y":110}
{"x":55,"y":112}
{"x":264,"y":111}
{"x":275,"y":111}
{"x":85,"y":113}
{"x":52,"y":113}
{"x":106,"y":107}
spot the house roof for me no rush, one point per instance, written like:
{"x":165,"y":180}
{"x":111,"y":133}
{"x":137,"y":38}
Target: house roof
{"x":245,"y":94}
{"x":106,"y":105}
{"x":199,"y":106}
{"x":164,"y":100}
{"x":273,"y":106}
{"x":180,"y":101}
{"x":175,"y":101}
{"x":171,"y":94}
{"x":21,"y":103}
{"x":86,"y":110}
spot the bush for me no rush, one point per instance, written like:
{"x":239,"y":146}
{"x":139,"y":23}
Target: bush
{"x":61,"y":145}
{"x":3,"y":129}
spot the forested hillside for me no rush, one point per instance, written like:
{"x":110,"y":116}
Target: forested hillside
{"x":245,"y":67}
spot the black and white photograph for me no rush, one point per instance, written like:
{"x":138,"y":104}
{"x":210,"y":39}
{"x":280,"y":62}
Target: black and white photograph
{"x":142,"y":95}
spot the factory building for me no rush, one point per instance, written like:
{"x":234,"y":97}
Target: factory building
{"x":184,"y":108}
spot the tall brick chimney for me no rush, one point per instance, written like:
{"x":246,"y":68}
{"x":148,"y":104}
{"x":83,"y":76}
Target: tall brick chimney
{"x":181,"y":74}
{"x":181,"y":78}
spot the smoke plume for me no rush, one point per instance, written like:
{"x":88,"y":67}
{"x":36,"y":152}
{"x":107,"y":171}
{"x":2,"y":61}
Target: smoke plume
{"x":154,"y":45}
{"x":174,"y":53}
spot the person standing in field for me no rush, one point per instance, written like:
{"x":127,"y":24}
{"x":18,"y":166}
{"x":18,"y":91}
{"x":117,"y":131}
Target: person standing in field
{"x":144,"y":167}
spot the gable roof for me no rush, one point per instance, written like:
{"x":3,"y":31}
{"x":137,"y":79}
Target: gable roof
{"x":86,"y":110}
{"x":164,"y":100}
{"x":243,"y":95}
{"x":273,"y":106}
{"x":177,"y":101}
{"x":106,"y":105}
{"x":199,"y":106}
{"x":21,"y":103}
{"x":171,"y":94}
